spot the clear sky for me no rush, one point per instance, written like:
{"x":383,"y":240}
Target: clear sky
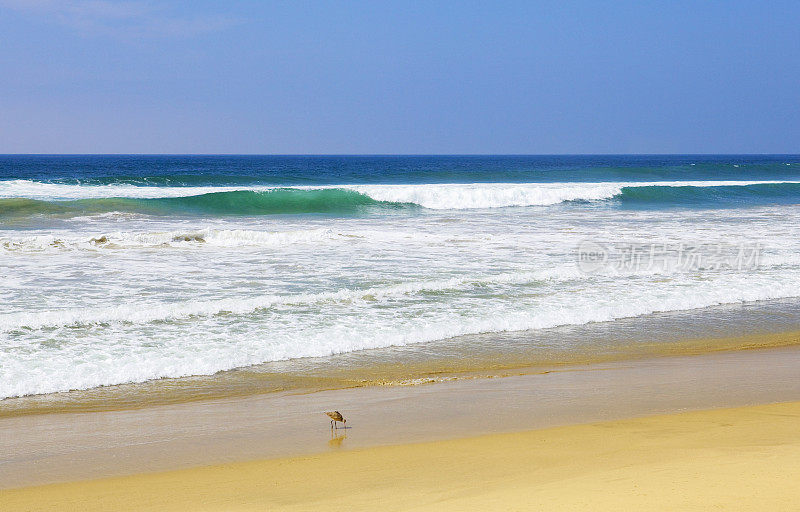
{"x":138,"y":76}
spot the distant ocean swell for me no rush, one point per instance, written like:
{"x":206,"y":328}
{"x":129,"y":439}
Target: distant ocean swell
{"x":26,"y":198}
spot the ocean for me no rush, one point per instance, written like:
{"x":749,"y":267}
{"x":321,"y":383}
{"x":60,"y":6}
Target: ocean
{"x":156,"y":275}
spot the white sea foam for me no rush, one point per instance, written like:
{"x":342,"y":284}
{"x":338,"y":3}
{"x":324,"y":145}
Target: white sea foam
{"x":56,"y":191}
{"x":498,"y":195}
{"x":175,"y":239}
{"x":107,"y":364}
{"x":148,"y":312}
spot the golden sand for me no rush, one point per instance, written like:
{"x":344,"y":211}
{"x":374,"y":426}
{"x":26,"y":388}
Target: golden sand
{"x":730,"y":459}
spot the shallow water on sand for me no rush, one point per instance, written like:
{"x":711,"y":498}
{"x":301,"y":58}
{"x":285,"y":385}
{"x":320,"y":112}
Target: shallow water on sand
{"x":721,"y":328}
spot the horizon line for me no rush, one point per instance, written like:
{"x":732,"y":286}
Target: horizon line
{"x":401,"y":154}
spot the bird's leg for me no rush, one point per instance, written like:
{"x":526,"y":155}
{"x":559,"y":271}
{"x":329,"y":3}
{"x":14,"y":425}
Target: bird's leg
{"x":331,"y":424}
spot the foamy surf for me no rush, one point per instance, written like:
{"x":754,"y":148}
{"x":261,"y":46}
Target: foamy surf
{"x":162,"y":312}
{"x":459,"y":196}
{"x":230,"y":238}
{"x":130,"y":361}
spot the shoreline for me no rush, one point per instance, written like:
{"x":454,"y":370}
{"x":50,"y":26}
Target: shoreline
{"x":737,"y":459}
{"x":63,"y":447}
{"x":411,"y":366}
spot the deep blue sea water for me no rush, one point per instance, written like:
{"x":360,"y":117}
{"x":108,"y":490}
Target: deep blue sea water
{"x":202,"y":170}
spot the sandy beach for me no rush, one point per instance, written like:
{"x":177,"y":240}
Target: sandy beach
{"x":600,"y":436}
{"x":732,"y":459}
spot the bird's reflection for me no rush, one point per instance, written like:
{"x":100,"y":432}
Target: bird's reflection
{"x":336,"y":440}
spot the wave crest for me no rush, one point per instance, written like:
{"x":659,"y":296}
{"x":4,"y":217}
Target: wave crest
{"x":75,"y":200}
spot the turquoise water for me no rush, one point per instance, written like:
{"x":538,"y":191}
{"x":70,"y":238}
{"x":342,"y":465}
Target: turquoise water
{"x":343,"y":201}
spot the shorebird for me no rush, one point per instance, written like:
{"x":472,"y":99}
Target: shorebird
{"x":336,"y":416}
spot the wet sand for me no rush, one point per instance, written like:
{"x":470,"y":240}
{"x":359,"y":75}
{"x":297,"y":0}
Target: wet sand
{"x":48,"y":448}
{"x":718,"y":329}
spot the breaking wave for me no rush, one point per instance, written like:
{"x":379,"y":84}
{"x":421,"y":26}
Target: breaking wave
{"x":26,"y":198}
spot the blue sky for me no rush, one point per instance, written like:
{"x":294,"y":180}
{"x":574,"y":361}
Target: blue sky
{"x":138,"y":76}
